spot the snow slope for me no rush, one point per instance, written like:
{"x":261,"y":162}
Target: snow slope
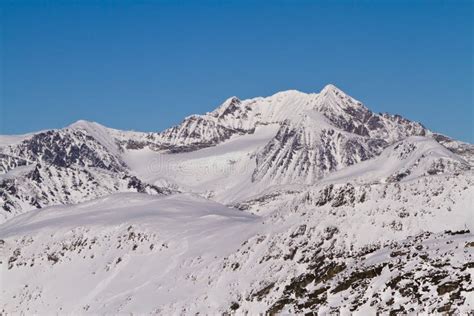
{"x":116,"y":248}
{"x":222,"y":172}
{"x":185,"y":254}
{"x":408,"y":159}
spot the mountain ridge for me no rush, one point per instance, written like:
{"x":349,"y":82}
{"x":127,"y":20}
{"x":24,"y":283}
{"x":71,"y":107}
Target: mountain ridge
{"x":316,"y":134}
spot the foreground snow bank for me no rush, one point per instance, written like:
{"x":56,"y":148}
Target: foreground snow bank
{"x":125,"y":252}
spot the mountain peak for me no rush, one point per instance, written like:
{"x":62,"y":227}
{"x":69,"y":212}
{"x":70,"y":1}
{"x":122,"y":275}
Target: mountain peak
{"x":228,"y":106}
{"x":331,"y":88}
{"x":333,"y":99}
{"x":290,"y":92}
{"x":232,"y":99}
{"x":97,"y":131}
{"x":83,"y":124}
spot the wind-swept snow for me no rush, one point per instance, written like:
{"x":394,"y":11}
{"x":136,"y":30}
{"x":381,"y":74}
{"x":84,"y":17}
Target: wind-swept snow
{"x":131,"y":251}
{"x":222,"y":172}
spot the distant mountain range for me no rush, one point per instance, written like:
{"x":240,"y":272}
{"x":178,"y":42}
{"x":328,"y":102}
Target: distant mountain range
{"x":293,"y":203}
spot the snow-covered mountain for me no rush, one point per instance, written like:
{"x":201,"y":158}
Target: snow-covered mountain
{"x":291,"y":203}
{"x":63,"y":167}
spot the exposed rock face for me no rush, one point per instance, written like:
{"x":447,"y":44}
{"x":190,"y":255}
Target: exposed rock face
{"x":298,"y":154}
{"x":66,"y":148}
{"x":62,"y":167}
{"x":407,"y":277}
{"x":43,"y":186}
{"x":195,"y":133}
{"x":464,"y":150}
{"x":8,"y":163}
{"x":352,"y":116}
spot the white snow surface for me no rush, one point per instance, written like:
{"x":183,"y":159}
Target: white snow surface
{"x":222,"y":172}
{"x":176,"y":235}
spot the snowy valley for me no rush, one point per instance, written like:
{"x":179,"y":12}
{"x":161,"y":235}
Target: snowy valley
{"x":294,"y":203}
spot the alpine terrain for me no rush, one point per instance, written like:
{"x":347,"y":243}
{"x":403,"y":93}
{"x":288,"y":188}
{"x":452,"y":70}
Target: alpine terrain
{"x":294,"y":203}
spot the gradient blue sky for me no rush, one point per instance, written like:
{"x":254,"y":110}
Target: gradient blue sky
{"x":144,"y":65}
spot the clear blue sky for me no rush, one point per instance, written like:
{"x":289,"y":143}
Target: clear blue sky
{"x":144,"y":65}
